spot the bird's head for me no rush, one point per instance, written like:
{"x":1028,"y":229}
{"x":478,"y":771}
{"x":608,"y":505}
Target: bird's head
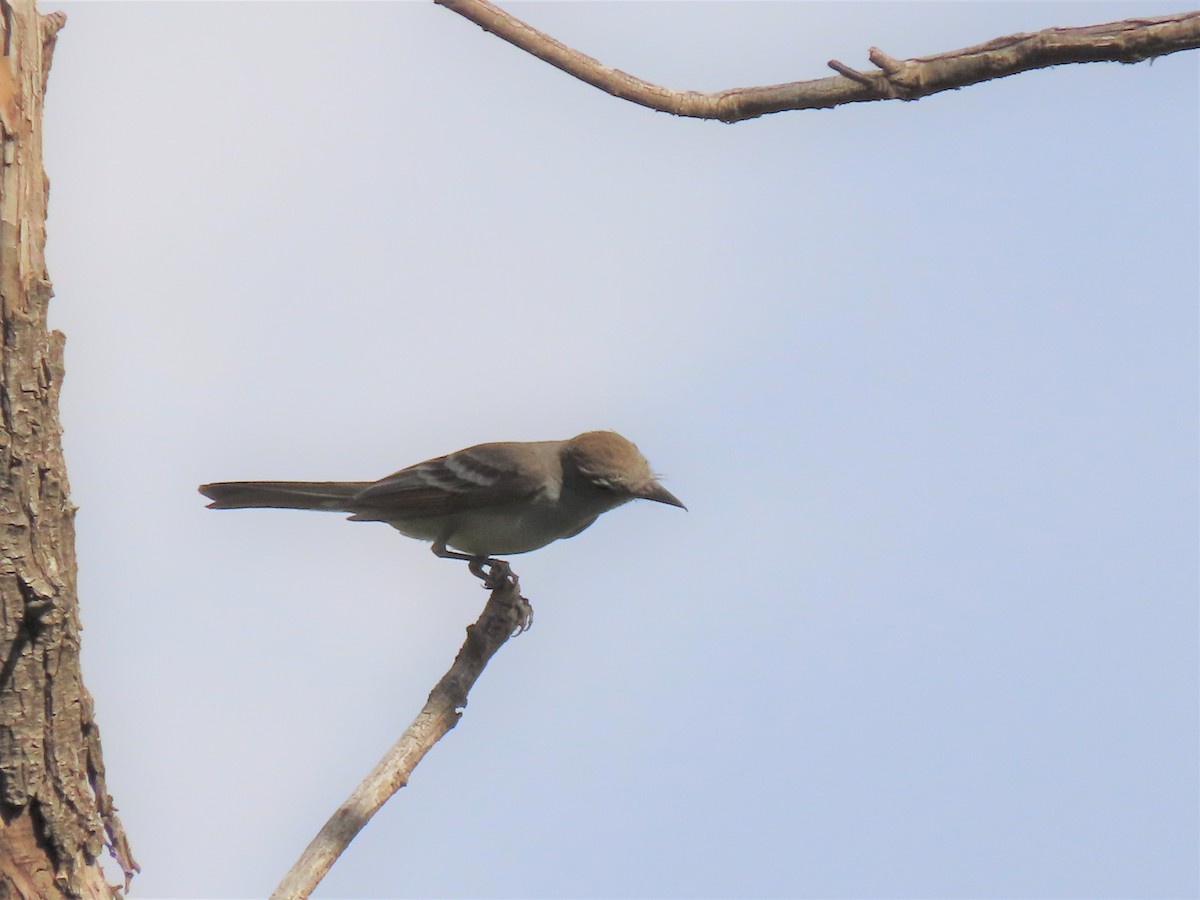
{"x":612,"y":463}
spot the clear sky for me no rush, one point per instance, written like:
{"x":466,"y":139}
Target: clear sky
{"x":924,"y":373}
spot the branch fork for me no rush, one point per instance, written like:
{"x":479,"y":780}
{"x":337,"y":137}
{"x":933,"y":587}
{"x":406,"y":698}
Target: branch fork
{"x":1126,"y":41}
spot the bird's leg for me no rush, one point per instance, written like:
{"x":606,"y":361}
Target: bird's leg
{"x":439,"y":549}
{"x":496,"y":573}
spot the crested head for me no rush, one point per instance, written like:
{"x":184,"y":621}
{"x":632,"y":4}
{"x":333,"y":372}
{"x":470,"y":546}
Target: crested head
{"x":606,"y":456}
{"x":614,"y":463}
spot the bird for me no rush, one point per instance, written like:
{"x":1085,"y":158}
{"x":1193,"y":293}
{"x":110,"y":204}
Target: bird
{"x":485,"y":501}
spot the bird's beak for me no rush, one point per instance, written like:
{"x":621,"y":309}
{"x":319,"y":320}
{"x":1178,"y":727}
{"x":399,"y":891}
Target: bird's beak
{"x":655,"y":491}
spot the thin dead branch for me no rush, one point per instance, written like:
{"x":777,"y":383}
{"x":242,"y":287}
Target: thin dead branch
{"x":506,"y":613}
{"x":1127,"y":41}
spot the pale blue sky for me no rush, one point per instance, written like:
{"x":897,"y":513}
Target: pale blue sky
{"x":925,"y":374}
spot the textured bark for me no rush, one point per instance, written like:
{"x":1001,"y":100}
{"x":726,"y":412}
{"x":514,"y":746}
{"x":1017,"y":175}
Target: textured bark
{"x":56,"y":816}
{"x":1128,"y":41}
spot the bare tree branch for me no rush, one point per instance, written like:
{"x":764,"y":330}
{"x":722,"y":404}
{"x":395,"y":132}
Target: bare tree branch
{"x":1127,"y":41}
{"x":506,"y":613}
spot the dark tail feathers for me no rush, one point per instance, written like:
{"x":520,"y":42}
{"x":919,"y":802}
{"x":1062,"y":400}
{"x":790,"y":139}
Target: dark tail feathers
{"x":327,"y":495}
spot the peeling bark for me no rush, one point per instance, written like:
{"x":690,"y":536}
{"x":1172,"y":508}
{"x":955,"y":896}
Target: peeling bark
{"x":56,"y":816}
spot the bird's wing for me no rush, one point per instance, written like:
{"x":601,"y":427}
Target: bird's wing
{"x":482,"y":476}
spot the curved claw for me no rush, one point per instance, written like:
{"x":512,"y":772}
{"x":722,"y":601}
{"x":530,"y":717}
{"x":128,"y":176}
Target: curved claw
{"x":525,"y":609}
{"x":476,"y":566}
{"x":494,"y":573}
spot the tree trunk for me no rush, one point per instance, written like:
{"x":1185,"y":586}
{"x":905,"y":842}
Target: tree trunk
{"x":56,"y":816}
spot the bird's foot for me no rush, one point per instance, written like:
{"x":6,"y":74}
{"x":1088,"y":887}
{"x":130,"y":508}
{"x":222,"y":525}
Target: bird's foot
{"x":497,"y":574}
{"x":494,"y":573}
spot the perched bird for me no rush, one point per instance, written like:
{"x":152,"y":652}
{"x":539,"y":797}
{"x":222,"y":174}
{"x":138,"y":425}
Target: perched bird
{"x":486,"y":500}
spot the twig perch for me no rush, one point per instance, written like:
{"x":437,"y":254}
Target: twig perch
{"x":506,"y":613}
{"x":1127,"y":41}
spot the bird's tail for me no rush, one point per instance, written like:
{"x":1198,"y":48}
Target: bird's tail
{"x":327,"y":495}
